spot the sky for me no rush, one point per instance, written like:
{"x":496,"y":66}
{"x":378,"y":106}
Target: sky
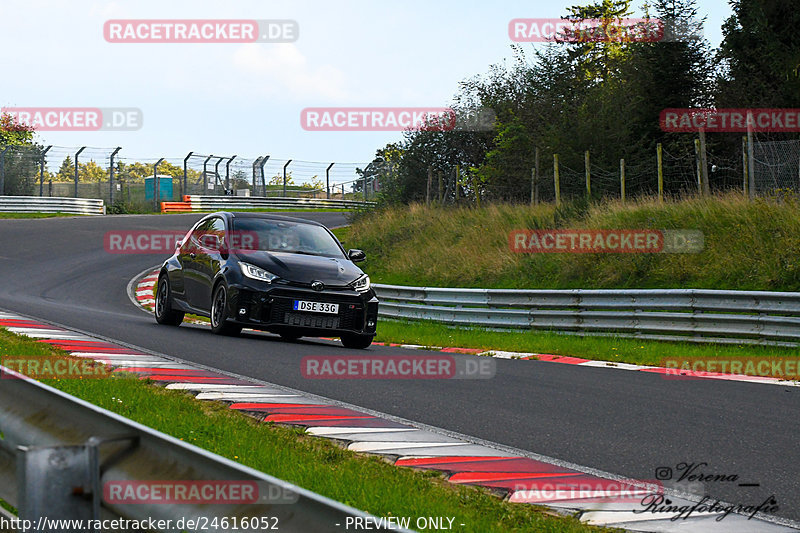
{"x":246,"y":99}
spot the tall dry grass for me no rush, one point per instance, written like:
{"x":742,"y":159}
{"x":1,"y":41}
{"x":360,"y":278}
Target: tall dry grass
{"x":748,"y":245}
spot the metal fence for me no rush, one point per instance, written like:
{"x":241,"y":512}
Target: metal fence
{"x":128,"y":184}
{"x":747,"y":317}
{"x":57,"y":453}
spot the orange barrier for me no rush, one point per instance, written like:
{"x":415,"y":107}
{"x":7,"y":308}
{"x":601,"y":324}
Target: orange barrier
{"x":175,"y":207}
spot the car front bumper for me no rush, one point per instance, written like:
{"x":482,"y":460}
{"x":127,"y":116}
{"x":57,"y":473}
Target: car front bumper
{"x":271,"y":307}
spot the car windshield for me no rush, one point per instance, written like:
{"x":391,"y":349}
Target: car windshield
{"x":287,"y":236}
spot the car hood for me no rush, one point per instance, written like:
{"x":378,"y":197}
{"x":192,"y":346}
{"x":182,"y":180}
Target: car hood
{"x":302,"y":268}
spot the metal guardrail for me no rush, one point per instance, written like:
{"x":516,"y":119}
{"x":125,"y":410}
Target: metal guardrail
{"x":57,"y":454}
{"x":48,"y":204}
{"x":698,"y":315}
{"x":205,"y":203}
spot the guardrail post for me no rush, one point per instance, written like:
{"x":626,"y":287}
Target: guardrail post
{"x":328,"y":181}
{"x":156,"y":185}
{"x":3,"y":170}
{"x":261,"y":170}
{"x":185,"y":174}
{"x":41,"y":171}
{"x":111,"y":176}
{"x":205,"y":174}
{"x":55,"y":481}
{"x":228,"y":189}
{"x":77,"y":168}
{"x":284,"y":177}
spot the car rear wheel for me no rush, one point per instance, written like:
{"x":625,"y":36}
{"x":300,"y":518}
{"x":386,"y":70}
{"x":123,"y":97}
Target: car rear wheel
{"x":163,"y":309}
{"x":219,"y":313}
{"x":356,"y":342}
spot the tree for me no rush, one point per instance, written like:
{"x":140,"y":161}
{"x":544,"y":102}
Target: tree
{"x":67,"y":170}
{"x":760,"y":55}
{"x":13,"y":132}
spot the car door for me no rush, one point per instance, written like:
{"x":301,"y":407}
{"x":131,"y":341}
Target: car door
{"x":189,"y":254}
{"x":208,"y":261}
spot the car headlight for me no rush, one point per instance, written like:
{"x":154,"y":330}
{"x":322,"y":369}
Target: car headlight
{"x":254,"y":272}
{"x":361,"y":284}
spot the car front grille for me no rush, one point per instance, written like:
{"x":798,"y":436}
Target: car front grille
{"x":350,"y":316}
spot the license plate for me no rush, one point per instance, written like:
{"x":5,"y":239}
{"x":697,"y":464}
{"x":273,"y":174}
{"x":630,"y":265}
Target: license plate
{"x":316,"y":307}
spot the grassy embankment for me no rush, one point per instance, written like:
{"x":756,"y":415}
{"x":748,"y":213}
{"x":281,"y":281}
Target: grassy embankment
{"x":748,"y":246}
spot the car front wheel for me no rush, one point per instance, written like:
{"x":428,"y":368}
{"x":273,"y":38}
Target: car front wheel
{"x":356,"y":342}
{"x":165,"y":315}
{"x":219,"y":313}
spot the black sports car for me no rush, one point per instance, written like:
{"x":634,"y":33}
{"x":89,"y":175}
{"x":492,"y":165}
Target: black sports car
{"x":268,"y":272}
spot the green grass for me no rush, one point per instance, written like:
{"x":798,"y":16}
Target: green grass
{"x":365,"y":482}
{"x":748,"y":245}
{"x":614,"y":349}
{"x":37,"y":215}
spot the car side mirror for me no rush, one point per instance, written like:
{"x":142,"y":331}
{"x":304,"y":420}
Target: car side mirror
{"x":356,"y":256}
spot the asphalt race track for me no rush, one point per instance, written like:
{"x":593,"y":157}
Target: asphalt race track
{"x":627,"y":423}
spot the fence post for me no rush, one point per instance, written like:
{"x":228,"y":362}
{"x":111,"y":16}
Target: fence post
{"x":156,"y":185}
{"x":185,"y":174}
{"x":622,"y":179}
{"x":3,"y":170}
{"x":660,"y":158}
{"x":110,"y":175}
{"x":428,"y":190}
{"x":328,"y":180}
{"x":76,"y":169}
{"x":474,"y":181}
{"x":588,"y":175}
{"x":705,"y":185}
{"x":744,"y":165}
{"x":456,"y":184}
{"x":365,"y":187}
{"x":751,"y":162}
{"x":535,"y":178}
{"x":556,"y":179}
{"x":440,"y":186}
{"x":284,"y":177}
{"x":697,"y":165}
{"x":205,"y":174}
{"x":261,"y":172}
{"x":228,"y":175}
{"x":216,"y":171}
{"x":41,"y":170}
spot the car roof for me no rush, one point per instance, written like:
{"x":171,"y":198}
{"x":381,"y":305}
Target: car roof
{"x":266,"y":216}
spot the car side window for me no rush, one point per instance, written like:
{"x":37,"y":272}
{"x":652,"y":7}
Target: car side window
{"x":217,"y":227}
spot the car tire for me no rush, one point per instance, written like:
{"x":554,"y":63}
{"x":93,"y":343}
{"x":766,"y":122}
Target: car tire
{"x":356,"y":342}
{"x":162,"y":309}
{"x":289,"y":337}
{"x":219,"y":313}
